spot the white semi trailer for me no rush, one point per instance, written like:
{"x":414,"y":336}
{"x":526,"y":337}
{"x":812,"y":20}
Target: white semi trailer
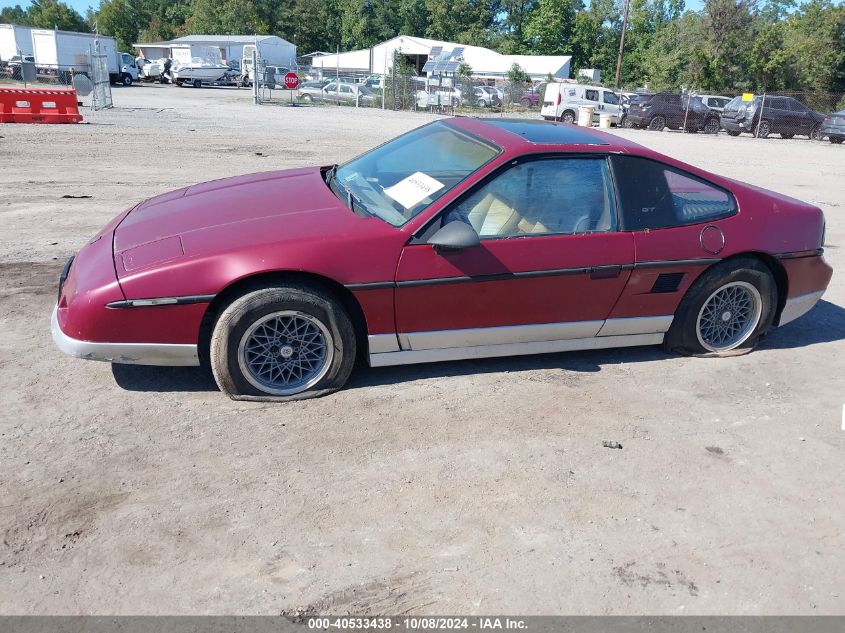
{"x":15,"y":41}
{"x":60,"y":51}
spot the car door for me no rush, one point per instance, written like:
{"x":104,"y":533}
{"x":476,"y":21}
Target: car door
{"x":610,"y":104}
{"x":591,"y":97}
{"x":330,"y":92}
{"x":803,"y":123}
{"x":550,"y":264}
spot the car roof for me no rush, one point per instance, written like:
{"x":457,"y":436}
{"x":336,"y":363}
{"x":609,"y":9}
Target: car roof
{"x":538,"y":135}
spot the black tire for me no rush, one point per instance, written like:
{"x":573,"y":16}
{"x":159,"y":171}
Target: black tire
{"x":743,"y":272}
{"x":481,"y":103}
{"x":197,"y":83}
{"x":243,"y":313}
{"x":711,"y":126}
{"x":126,"y":80}
{"x":624,"y":122}
{"x":733,"y":133}
{"x":568,"y":116}
{"x":786,"y":135}
{"x":307,"y":98}
{"x":816,"y":134}
{"x":179,"y":83}
{"x":836,"y":140}
{"x":763,"y":129}
{"x":657,"y":123}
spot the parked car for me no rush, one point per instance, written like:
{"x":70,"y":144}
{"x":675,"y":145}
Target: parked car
{"x":562,"y":100}
{"x":773,"y":115}
{"x":625,"y":102}
{"x":833,"y":127}
{"x":715,"y":102}
{"x":463,"y":238}
{"x":486,"y":97}
{"x":347,"y":94}
{"x":310,"y":91}
{"x":530,"y":97}
{"x":672,"y":110}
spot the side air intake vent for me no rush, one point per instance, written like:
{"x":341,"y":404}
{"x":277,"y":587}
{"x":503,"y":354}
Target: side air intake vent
{"x":667,"y":282}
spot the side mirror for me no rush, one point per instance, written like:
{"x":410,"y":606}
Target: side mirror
{"x":456,"y":235}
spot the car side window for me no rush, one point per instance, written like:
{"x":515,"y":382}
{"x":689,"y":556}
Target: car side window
{"x":655,"y":196}
{"x":797,"y":106}
{"x":329,"y":88}
{"x":548,"y":196}
{"x":609,"y":97}
{"x":591,"y":95}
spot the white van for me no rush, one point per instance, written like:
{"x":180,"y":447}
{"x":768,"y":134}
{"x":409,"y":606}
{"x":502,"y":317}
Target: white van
{"x":561,"y":102}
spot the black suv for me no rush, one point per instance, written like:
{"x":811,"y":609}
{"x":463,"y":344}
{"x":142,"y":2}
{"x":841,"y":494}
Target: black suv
{"x":780,"y":115}
{"x":675,"y":111}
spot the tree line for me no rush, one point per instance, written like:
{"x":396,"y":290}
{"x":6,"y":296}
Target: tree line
{"x":728,"y":45}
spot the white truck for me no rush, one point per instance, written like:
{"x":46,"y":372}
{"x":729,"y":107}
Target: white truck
{"x":57,"y":52}
{"x":15,"y":41}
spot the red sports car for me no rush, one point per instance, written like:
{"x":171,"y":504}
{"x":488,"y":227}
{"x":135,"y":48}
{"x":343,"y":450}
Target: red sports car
{"x":464,"y":238}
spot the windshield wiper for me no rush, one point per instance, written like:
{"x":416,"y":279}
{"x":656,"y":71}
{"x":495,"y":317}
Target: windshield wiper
{"x":351,"y":199}
{"x":330,"y":173}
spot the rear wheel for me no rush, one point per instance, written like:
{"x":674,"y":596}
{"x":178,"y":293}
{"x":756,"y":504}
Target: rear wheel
{"x":568,"y":116}
{"x":711,"y":126}
{"x":197,"y":83}
{"x":726,"y":311}
{"x":624,"y":122}
{"x":657,"y":123}
{"x":816,"y":134}
{"x":286,"y":343}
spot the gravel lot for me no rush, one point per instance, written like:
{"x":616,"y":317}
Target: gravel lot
{"x":468,"y":487}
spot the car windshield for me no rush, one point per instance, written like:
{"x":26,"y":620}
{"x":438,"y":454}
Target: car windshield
{"x":400,"y":179}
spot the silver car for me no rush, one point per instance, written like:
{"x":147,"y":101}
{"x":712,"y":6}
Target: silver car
{"x":346,"y":94}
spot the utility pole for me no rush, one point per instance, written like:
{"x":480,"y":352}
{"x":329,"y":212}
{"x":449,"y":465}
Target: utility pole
{"x":622,"y":43}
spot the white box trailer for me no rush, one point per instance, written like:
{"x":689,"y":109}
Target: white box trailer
{"x":272,"y":51}
{"x":60,"y":51}
{"x":14,"y":40}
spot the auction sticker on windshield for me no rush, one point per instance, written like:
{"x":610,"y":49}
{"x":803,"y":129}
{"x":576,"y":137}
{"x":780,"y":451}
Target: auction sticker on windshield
{"x":412,"y":190}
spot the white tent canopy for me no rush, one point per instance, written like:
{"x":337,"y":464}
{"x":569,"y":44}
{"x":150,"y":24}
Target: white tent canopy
{"x":485,"y":63}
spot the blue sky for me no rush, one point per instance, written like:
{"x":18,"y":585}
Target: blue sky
{"x":82,"y":5}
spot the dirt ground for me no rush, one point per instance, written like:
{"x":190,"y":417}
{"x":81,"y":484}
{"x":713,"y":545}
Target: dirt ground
{"x":467,"y":487}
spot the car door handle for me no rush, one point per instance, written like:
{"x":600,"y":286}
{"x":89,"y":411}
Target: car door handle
{"x":605,"y":272}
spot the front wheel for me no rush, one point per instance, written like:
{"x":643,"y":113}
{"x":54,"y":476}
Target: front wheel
{"x":286,"y":343}
{"x":127,"y":80}
{"x":726,"y":311}
{"x":764,"y":128}
{"x":197,"y":83}
{"x":624,"y":122}
{"x":711,"y":126}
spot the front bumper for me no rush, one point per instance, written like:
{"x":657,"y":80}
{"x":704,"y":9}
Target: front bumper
{"x":734,"y":125}
{"x":131,"y":353}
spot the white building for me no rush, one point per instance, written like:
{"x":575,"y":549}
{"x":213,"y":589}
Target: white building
{"x":486,"y":64}
{"x":270,"y":47}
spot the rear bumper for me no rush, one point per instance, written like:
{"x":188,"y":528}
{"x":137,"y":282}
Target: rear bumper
{"x":832,"y":130}
{"x":131,"y":353}
{"x":799,"y":306}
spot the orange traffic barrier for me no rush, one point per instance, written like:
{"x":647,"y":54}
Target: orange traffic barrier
{"x":38,"y":105}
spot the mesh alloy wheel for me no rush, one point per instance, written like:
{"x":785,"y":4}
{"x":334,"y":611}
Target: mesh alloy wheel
{"x":729,"y":317}
{"x":285,"y":353}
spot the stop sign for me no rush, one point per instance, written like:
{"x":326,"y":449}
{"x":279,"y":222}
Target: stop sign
{"x":291,"y":81}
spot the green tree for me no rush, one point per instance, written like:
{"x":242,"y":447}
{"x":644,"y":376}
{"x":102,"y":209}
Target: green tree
{"x":815,"y":41}
{"x":52,"y":14}
{"x":551,"y":28}
{"x":14,"y":15}
{"x":464,"y":21}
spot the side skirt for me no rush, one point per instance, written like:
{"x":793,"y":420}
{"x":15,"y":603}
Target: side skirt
{"x":512,"y":349}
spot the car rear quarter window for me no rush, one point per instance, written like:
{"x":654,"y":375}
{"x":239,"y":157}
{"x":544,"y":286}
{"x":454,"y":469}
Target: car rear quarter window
{"x":655,"y":196}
